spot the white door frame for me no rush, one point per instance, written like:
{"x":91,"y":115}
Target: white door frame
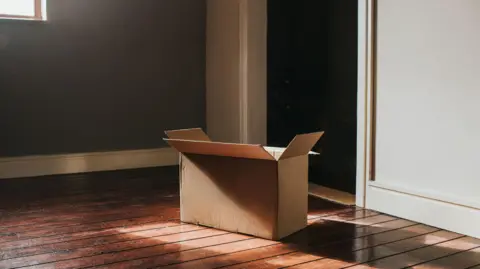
{"x":365,"y":95}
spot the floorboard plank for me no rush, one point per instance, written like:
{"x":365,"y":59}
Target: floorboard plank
{"x":460,"y":260}
{"x":144,"y":244}
{"x":423,"y":255}
{"x":102,"y":237}
{"x":77,"y":253}
{"x":75,"y":214}
{"x":304,"y":252}
{"x":170,"y":214}
{"x":325,"y":234}
{"x":129,"y":219}
{"x":156,"y":251}
{"x":372,"y":248}
{"x":128,"y":213}
{"x":318,"y":207}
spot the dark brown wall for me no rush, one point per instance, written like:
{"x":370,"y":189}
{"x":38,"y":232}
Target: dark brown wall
{"x":101,"y":75}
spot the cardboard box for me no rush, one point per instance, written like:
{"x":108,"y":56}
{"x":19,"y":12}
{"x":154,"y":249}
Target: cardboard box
{"x":242,"y":188}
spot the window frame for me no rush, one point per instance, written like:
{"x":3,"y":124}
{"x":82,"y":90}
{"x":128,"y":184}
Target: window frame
{"x":39,"y":13}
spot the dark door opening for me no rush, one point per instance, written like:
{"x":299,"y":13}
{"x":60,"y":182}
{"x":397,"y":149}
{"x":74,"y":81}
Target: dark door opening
{"x":312,"y":83}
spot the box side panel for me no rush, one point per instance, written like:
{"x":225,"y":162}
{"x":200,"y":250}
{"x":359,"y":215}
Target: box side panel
{"x":292,"y":195}
{"x":220,"y":149}
{"x":233,"y":194}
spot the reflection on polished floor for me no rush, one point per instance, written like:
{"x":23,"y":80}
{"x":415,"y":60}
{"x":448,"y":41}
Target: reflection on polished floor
{"x":129,"y":219}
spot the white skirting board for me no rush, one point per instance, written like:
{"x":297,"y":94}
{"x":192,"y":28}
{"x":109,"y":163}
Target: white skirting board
{"x":461,"y":219}
{"x":32,"y":166}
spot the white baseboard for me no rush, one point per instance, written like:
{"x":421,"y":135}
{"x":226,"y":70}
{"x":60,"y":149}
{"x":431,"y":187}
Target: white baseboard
{"x":31,"y":166}
{"x":456,"y":218}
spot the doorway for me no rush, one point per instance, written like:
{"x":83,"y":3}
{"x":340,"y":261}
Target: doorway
{"x":312,"y":83}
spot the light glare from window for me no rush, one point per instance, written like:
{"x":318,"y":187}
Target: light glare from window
{"x":17,"y":7}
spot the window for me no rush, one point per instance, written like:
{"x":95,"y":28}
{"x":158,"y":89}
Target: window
{"x":22,"y":9}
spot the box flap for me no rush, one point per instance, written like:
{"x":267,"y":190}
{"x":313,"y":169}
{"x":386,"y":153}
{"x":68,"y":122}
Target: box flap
{"x":301,"y":145}
{"x":196,"y":134}
{"x":220,"y":149}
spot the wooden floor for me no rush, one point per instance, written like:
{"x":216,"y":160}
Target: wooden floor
{"x":129,"y":219}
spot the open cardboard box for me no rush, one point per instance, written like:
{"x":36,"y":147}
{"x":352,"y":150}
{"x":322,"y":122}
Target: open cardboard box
{"x":250,"y":189}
